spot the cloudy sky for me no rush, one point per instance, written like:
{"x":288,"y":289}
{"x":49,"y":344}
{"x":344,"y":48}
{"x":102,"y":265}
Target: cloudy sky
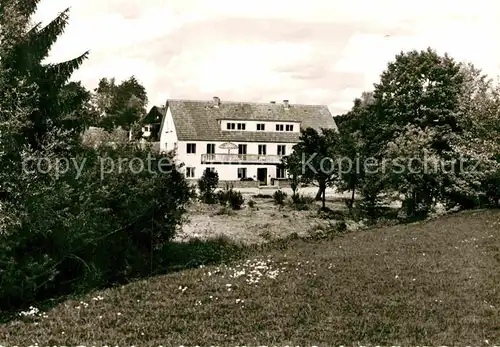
{"x":307,"y":51}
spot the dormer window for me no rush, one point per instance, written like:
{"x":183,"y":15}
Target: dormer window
{"x":289,"y":127}
{"x":236,"y":126}
{"x":279,"y":127}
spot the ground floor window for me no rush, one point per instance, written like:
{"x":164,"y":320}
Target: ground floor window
{"x":280,"y":172}
{"x":242,"y":172}
{"x":211,"y":169}
{"x":190,"y":172}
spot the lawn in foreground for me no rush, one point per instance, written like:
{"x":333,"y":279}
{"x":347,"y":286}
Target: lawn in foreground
{"x":433,"y":283}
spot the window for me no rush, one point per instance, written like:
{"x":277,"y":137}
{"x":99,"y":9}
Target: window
{"x":210,"y":148}
{"x":210,"y":169}
{"x":242,"y":172}
{"x":289,"y":127}
{"x":242,"y":149}
{"x":191,"y":148}
{"x":261,"y":127}
{"x":241,"y":126}
{"x":279,"y":127}
{"x":281,"y":150}
{"x":190,"y":172}
{"x":231,"y":126}
{"x":262,"y":149}
{"x":280,"y":172}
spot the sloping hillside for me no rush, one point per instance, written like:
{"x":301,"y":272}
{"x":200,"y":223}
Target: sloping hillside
{"x":433,"y":283}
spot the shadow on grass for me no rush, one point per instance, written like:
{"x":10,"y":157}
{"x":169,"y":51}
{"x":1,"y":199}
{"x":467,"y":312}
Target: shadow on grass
{"x":172,"y":257}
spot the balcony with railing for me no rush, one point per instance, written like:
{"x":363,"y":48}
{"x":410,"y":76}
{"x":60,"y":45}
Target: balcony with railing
{"x":220,"y":158}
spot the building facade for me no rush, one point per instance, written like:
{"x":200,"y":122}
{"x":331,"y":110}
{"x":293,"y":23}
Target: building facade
{"x":238,"y":140}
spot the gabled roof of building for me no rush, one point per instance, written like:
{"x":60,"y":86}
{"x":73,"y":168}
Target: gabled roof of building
{"x":198,"y":120}
{"x":154,"y":116}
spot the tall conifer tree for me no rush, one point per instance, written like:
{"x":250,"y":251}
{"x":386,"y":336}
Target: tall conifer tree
{"x":23,"y":47}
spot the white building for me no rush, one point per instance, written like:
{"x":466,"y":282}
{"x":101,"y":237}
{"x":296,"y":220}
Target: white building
{"x":239,"y":140}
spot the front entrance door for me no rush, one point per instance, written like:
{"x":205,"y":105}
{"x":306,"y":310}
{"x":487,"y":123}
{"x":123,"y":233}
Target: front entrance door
{"x":262,"y":175}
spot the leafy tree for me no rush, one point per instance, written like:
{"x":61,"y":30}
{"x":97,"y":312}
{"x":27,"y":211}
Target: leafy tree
{"x":313,"y":159}
{"x":207,"y":185}
{"x":422,"y":89}
{"x":415,"y":169}
{"x":81,"y":112}
{"x":120,"y":105}
{"x":353,"y":147}
{"x":419,"y":90}
{"x":478,"y":182}
{"x":291,"y":163}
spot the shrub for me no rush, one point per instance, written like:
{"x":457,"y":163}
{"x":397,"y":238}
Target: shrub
{"x":235,"y":199}
{"x":279,"y":197}
{"x":222,"y":197}
{"x":90,"y":228}
{"x":207,"y":185}
{"x":302,"y":202}
{"x":251,"y":203}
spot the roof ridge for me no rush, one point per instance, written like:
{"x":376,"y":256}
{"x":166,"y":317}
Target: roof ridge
{"x":245,"y":102}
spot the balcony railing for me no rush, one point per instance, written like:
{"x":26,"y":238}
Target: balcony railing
{"x":240,"y":159}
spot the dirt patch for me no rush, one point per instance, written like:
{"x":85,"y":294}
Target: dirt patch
{"x":264,"y":222}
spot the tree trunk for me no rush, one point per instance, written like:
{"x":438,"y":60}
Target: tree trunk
{"x":324,"y":199}
{"x":351,"y":204}
{"x":321,"y":189}
{"x":294,"y":186}
{"x":410,"y":204}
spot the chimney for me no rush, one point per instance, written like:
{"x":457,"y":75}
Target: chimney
{"x":285,"y":103}
{"x":216,"y":101}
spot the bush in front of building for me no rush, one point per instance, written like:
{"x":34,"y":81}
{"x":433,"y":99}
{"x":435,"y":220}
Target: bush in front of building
{"x":279,"y":197}
{"x":207,"y":185}
{"x":233,"y":198}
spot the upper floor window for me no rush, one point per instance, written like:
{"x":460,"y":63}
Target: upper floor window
{"x":261,"y":127}
{"x":236,"y":126}
{"x":191,"y":148}
{"x":262,"y":149}
{"x":242,"y":149}
{"x":279,"y":127}
{"x":210,"y":148}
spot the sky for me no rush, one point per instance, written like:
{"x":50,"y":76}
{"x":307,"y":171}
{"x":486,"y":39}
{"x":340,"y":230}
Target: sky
{"x":306,"y":51}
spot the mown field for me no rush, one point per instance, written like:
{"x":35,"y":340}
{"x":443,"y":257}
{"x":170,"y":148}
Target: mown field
{"x":429,"y":283}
